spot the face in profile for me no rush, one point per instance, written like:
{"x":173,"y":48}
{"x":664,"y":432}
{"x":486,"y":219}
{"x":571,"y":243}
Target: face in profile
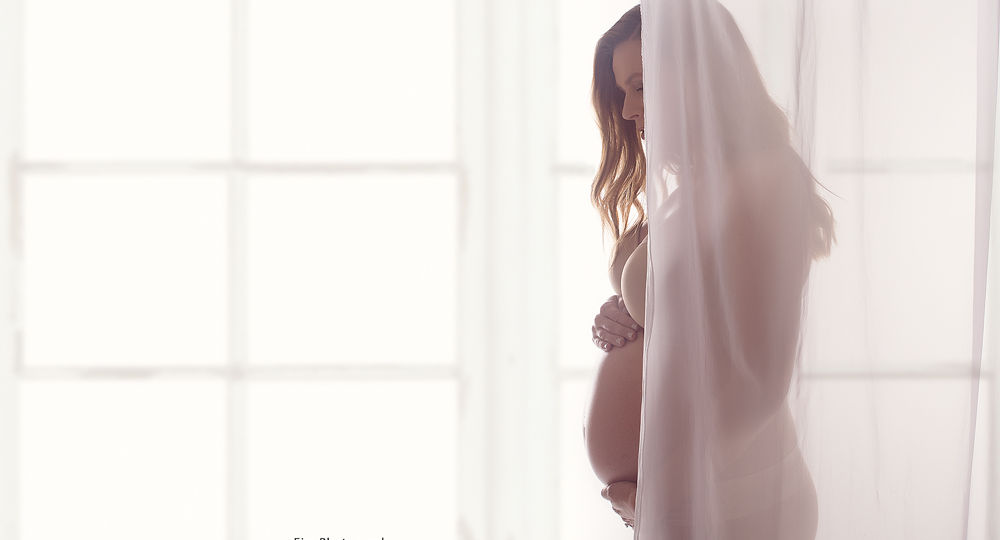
{"x":626,"y":63}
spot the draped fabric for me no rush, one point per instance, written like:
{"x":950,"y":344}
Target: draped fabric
{"x":816,"y":293}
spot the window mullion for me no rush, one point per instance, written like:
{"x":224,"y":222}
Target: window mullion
{"x":507,"y":352}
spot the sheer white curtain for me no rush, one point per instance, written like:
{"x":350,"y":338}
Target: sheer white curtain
{"x":790,"y":392}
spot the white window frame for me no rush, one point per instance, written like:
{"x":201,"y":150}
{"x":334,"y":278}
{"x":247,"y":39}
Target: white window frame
{"x":507,"y":390}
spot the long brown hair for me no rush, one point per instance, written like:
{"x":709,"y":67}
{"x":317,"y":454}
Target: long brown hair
{"x":751,"y":121}
{"x":622,"y":172}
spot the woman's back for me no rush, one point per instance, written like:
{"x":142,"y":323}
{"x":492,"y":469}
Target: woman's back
{"x":764,"y":461}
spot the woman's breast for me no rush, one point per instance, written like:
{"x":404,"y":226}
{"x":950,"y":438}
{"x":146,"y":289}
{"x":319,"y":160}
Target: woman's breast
{"x":633,"y":284}
{"x":611,"y":427}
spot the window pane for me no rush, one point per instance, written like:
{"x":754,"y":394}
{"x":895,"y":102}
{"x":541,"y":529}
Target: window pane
{"x":919,"y":53}
{"x":896,"y":267}
{"x":353,"y":460}
{"x":339,"y":264}
{"x":837,"y":64}
{"x":914,"y":53}
{"x":125,"y":271}
{"x":583,"y":272}
{"x":327,"y":83}
{"x":122,"y":460}
{"x":900,"y":439}
{"x":118,"y":79}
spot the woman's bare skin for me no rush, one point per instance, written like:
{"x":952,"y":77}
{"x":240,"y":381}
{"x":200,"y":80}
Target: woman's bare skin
{"x":759,"y":460}
{"x":611,"y":428}
{"x":622,"y":498}
{"x":612,"y":424}
{"x":613,"y":325}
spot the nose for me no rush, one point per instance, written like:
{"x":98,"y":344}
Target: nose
{"x":630,"y":113}
{"x":632,"y":110}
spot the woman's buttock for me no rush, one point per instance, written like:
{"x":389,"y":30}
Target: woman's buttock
{"x":611,"y":427}
{"x":768,"y":492}
{"x":779,"y":505}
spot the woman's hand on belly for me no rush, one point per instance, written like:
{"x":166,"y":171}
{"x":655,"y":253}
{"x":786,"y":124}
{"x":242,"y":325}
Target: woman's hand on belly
{"x":613,"y":325}
{"x":622,"y":497}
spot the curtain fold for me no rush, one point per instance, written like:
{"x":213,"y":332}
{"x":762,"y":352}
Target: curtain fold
{"x":816,"y":291}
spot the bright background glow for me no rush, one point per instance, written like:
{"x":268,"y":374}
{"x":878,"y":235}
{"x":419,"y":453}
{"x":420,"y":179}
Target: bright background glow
{"x":347,"y":121}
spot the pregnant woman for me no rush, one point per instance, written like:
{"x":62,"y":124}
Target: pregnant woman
{"x":761,"y":457}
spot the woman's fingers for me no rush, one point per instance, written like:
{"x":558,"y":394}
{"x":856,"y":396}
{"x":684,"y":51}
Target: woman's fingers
{"x":611,"y":330}
{"x":603,"y":345}
{"x":616,"y":312}
{"x":605,"y":336}
{"x":622,"y":497}
{"x":613,"y":325}
{"x":623,"y":491}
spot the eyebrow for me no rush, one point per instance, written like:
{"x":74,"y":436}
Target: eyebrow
{"x":629,"y":79}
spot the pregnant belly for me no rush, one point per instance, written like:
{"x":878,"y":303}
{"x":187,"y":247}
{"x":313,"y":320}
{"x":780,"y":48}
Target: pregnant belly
{"x":611,"y":426}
